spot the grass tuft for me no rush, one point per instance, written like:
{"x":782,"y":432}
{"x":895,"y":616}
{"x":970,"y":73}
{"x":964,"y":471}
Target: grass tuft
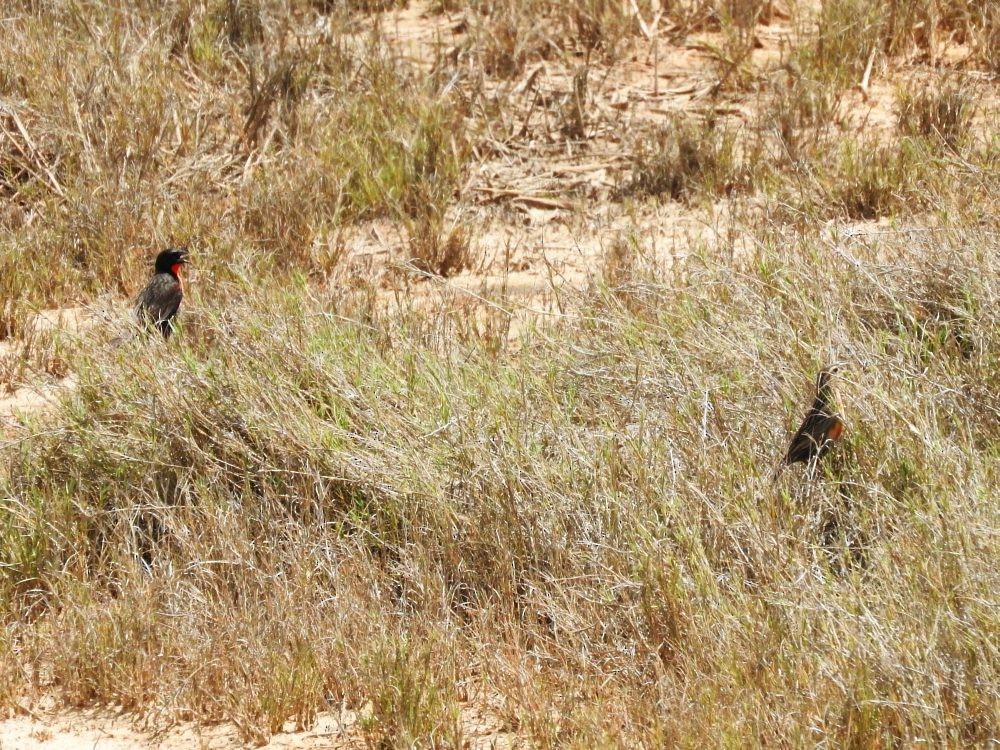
{"x":685,"y":160}
{"x":942,"y":114}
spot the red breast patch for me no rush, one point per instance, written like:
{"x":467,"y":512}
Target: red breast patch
{"x":835,"y":431}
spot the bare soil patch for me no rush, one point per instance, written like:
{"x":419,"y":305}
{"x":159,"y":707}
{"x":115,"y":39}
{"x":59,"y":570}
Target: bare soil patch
{"x":50,"y":728}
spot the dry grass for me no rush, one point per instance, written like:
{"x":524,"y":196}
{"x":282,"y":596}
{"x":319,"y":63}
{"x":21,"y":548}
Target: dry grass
{"x":305,"y":500}
{"x":248,"y":548}
{"x":685,"y":160}
{"x":239,"y":140}
{"x":944,"y":114}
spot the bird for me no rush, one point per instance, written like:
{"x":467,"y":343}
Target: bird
{"x":822,"y":426}
{"x":157,"y":304}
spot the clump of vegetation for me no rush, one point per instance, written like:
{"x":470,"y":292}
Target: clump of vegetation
{"x":988,"y":37}
{"x":852,"y":33}
{"x":802,"y":112}
{"x":848,"y":34}
{"x":737,"y":20}
{"x":873,"y":179}
{"x":358,"y":6}
{"x":512,"y":34}
{"x":507,"y":39}
{"x":436,"y":250}
{"x":684,"y":159}
{"x":943,"y":114}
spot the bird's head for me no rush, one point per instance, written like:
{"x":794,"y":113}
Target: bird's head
{"x":171,"y":259}
{"x":826,"y":375}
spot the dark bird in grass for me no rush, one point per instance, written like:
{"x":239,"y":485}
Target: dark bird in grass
{"x":157,"y":304}
{"x":822,"y":426}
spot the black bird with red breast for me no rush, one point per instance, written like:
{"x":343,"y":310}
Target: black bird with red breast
{"x":822,"y":426}
{"x":157,"y":304}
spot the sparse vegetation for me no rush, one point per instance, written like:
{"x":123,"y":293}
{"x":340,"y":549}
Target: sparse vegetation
{"x":438,"y":250}
{"x":874,"y":180}
{"x":943,"y":114}
{"x":685,"y":159}
{"x":988,"y":37}
{"x":359,"y":480}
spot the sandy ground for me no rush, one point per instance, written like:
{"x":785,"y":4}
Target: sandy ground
{"x":32,"y":394}
{"x":88,"y":730}
{"x":103,"y":729}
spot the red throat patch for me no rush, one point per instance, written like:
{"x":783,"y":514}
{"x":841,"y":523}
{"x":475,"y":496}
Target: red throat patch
{"x":175,"y":269}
